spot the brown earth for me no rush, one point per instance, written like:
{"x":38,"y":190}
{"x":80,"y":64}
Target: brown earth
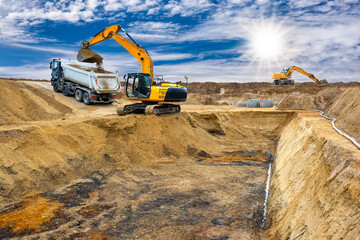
{"x":88,"y":55}
{"x":90,"y":174}
{"x":339,"y":100}
{"x":21,"y":102}
{"x":97,"y":69}
{"x":314,"y":192}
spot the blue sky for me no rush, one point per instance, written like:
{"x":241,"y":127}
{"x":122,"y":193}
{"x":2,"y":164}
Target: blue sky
{"x":207,"y":40}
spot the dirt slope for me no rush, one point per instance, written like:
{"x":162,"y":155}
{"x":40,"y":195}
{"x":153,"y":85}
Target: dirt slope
{"x":187,"y":176}
{"x":21,"y":102}
{"x":315,"y":183}
{"x":346,"y":108}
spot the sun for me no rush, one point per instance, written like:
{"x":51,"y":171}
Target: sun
{"x":266,"y":43}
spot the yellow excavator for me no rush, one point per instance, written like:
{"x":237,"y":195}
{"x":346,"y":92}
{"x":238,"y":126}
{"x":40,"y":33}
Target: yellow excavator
{"x":139,"y":86}
{"x":284,"y":78}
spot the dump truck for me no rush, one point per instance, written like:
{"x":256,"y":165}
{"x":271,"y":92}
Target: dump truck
{"x":88,"y":84}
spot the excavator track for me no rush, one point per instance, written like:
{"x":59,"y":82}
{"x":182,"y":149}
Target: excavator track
{"x":160,"y":109}
{"x":143,"y":108}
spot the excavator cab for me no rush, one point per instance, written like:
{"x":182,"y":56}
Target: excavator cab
{"x":138,"y":85}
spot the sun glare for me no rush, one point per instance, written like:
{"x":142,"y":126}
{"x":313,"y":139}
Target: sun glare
{"x":266,"y":43}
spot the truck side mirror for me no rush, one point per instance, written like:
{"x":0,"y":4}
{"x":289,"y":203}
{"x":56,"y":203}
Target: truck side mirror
{"x":124,"y":76}
{"x":51,"y":65}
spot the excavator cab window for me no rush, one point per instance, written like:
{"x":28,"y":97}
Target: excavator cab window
{"x":138,"y":86}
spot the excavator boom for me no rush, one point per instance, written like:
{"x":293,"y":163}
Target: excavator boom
{"x":131,"y":46}
{"x":300,"y":70}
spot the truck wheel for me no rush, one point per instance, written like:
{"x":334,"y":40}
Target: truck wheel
{"x":86,"y":98}
{"x":56,"y":86}
{"x":65,"y":89}
{"x":79,"y":95}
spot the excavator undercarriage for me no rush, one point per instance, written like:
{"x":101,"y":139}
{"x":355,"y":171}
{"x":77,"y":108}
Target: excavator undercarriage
{"x":148,"y":109}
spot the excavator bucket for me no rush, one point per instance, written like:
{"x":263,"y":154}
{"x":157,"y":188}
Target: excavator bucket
{"x":88,"y":55}
{"x":323,"y":81}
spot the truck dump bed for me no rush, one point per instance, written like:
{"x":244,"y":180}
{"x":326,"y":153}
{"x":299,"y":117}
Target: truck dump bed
{"x":97,"y":79}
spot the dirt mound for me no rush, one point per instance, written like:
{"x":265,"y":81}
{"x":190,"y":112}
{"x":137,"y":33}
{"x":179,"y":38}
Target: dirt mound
{"x":21,"y":102}
{"x":261,"y":87}
{"x":346,"y":109}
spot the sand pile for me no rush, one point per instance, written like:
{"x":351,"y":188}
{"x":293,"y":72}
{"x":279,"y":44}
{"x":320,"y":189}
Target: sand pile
{"x":20,"y":102}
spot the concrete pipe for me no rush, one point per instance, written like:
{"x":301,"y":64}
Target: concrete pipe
{"x":267,"y":103}
{"x":253,"y":103}
{"x":242,"y":104}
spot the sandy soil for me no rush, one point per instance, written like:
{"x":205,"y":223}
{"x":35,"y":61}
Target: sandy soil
{"x":339,"y":100}
{"x":83,"y":172}
{"x":315,"y":184}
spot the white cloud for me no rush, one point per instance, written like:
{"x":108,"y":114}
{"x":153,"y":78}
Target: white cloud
{"x":17,"y":16}
{"x":32,"y":71}
{"x":129,"y":5}
{"x":62,"y":51}
{"x":325,"y":42}
{"x":187,"y":7}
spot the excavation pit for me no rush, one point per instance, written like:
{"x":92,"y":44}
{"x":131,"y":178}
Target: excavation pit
{"x":186,"y":176}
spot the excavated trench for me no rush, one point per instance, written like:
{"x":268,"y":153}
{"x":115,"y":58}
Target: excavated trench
{"x":185,"y":176}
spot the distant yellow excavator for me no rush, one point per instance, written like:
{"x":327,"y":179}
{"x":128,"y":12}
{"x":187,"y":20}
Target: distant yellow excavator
{"x":139,"y":86}
{"x":284,"y":78}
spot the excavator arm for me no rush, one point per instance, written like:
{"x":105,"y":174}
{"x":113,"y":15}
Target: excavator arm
{"x":131,"y":46}
{"x":310,"y":75}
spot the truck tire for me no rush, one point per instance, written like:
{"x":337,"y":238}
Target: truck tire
{"x":79,"y":95}
{"x":56,"y":86}
{"x":86,"y":98}
{"x":65,"y":89}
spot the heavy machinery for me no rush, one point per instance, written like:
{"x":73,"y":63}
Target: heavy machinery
{"x":88,"y":84}
{"x":139,"y":86}
{"x":284,"y":78}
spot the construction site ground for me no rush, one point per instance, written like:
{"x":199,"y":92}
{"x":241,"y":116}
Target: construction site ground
{"x":71,"y":171}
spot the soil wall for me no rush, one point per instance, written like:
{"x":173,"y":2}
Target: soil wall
{"x":38,"y":158}
{"x":314,"y":190}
